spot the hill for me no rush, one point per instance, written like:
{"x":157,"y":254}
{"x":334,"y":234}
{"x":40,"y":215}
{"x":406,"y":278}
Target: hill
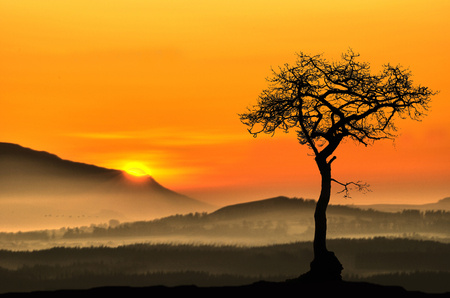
{"x":268,"y":208}
{"x":37,"y":187}
{"x":443,"y":204}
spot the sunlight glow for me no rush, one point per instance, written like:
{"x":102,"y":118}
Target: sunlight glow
{"x":137,"y":169}
{"x":162,"y":84}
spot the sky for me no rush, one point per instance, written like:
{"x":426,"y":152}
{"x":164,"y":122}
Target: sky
{"x":158,"y":85}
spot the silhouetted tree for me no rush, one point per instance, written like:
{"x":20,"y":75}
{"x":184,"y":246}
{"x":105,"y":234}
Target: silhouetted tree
{"x":326,"y":103}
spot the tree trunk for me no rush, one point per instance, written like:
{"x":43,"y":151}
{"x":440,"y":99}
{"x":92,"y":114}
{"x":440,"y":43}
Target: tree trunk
{"x":325,"y":265}
{"x":320,"y":217}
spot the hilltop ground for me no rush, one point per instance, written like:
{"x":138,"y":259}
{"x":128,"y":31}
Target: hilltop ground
{"x":259,"y":289}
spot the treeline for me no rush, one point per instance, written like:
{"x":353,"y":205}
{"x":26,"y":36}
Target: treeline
{"x":140,"y":258}
{"x":186,"y":225}
{"x":210,"y":265}
{"x":342,"y":221}
{"x":25,"y":236}
{"x":406,"y":221}
{"x":371,"y":254}
{"x":30,"y":279}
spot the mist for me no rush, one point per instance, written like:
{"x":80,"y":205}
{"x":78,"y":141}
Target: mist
{"x":265,"y":222}
{"x":41,"y":191}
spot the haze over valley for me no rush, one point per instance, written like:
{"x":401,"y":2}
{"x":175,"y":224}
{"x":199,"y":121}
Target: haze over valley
{"x":38,"y":190}
{"x":41,"y":191}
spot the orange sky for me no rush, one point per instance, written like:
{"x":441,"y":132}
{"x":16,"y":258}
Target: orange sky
{"x":160,"y":83}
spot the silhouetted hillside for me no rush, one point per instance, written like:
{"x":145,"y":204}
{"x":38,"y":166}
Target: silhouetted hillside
{"x":256,"y":289}
{"x":49,"y":185}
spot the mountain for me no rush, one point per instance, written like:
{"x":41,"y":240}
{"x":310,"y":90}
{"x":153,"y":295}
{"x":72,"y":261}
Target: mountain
{"x":443,"y":204}
{"x":41,"y":185}
{"x":277,"y":207}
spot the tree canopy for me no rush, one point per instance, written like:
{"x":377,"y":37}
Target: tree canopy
{"x":326,"y":102}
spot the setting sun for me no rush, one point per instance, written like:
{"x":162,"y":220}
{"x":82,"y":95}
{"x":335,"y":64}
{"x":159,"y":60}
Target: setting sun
{"x":137,"y":169}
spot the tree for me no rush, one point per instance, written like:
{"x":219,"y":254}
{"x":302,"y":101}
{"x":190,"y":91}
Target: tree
{"x":327,"y":103}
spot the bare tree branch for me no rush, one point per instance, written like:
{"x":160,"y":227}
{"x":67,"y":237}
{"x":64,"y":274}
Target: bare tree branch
{"x":360,"y":186}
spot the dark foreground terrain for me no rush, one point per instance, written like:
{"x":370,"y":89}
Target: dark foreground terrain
{"x":414,"y":265}
{"x":258,"y":289}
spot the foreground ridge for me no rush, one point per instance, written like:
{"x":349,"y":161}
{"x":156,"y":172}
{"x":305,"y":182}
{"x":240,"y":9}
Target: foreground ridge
{"x":258,"y":289}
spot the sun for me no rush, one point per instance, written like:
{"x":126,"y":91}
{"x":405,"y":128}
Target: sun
{"x":136,"y":172}
{"x":136,"y":169}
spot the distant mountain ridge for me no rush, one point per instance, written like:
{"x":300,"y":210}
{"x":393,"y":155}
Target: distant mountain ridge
{"x":37,"y":177}
{"x":286,"y":205}
{"x":14,"y":152}
{"x":443,"y":204}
